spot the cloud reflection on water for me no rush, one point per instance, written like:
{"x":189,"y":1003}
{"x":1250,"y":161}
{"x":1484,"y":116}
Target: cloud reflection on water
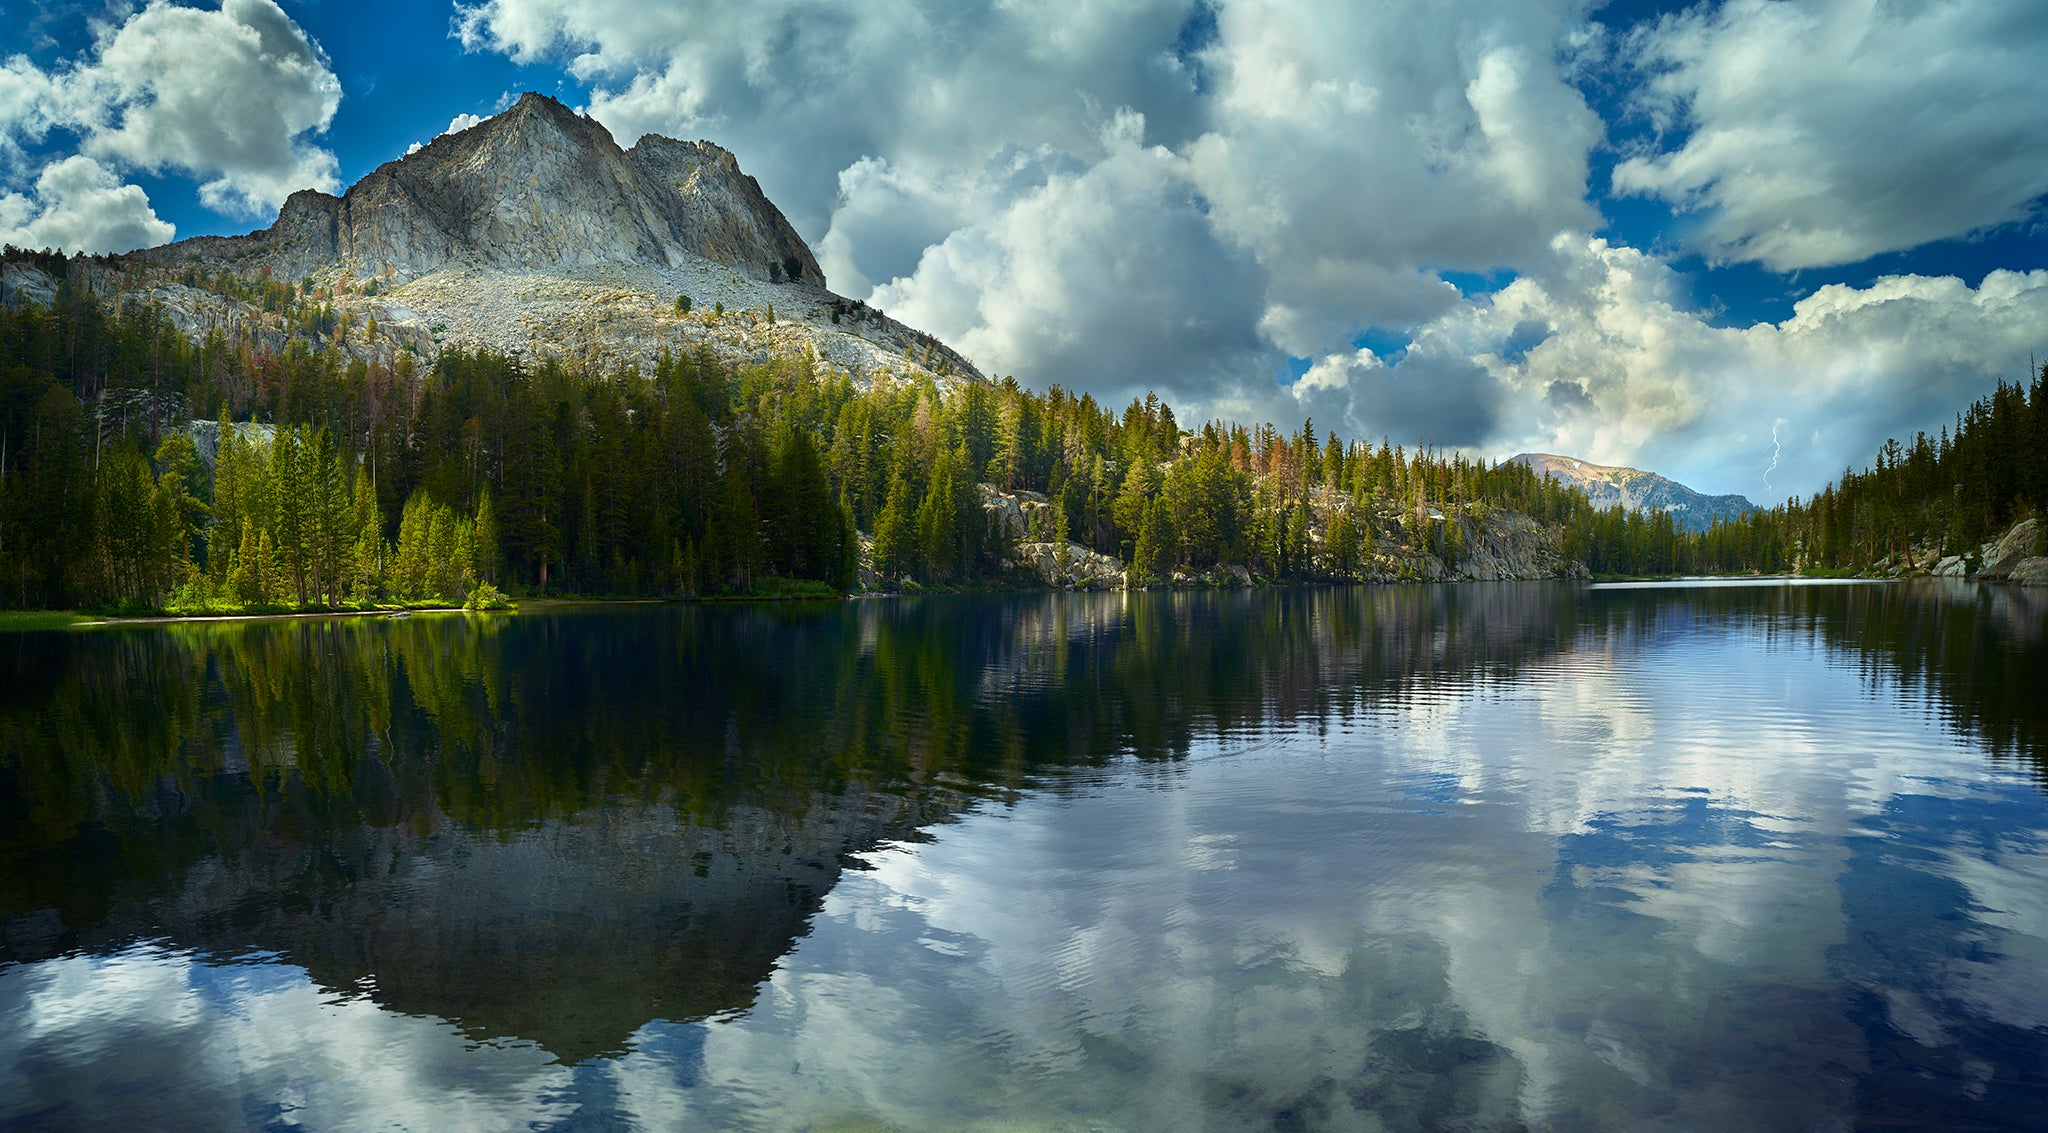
{"x":1639,"y":921}
{"x":205,"y":1045}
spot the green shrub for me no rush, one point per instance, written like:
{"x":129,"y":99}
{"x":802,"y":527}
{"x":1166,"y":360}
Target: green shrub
{"x":485,"y":596}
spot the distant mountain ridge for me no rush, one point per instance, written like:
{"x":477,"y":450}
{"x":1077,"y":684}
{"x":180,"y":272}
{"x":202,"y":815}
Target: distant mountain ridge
{"x":1606,"y":486}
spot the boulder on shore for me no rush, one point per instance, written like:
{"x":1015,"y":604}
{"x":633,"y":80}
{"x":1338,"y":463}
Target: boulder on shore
{"x":2015,"y":557}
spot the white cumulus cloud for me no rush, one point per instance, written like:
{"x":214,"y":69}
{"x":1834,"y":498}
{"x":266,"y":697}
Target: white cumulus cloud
{"x":1817,"y":132}
{"x":228,"y":95}
{"x":1598,"y":354}
{"x":456,"y":125}
{"x":1359,"y":150}
{"x":80,"y":206}
{"x":1108,"y":280}
{"x":25,"y":101}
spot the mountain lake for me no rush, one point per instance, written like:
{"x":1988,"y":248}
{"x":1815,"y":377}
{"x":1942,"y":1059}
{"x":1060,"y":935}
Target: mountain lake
{"x":1676,"y":856}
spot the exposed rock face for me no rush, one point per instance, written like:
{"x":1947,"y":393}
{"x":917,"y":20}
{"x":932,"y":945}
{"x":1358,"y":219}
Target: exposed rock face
{"x":1633,"y":488}
{"x":23,"y":283}
{"x":538,"y":186}
{"x":1016,"y":516}
{"x":1025,"y":522}
{"x":1503,"y":545}
{"x":205,"y":436}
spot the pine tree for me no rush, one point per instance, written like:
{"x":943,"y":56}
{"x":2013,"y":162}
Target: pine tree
{"x":327,"y":518}
{"x":1340,"y":546}
{"x":1006,"y":454}
{"x":1141,"y":483}
{"x":243,"y":565}
{"x":266,"y":572}
{"x":183,"y":477}
{"x":938,"y":534}
{"x":484,"y":540}
{"x":225,"y":533}
{"x":1152,"y":560}
{"x":411,"y":561}
{"x":367,"y":552}
{"x":292,"y":527}
{"x":732,"y":543}
{"x":895,"y":539}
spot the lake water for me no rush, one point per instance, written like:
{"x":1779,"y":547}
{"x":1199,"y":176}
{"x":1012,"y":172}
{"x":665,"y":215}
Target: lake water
{"x":1491,"y":857}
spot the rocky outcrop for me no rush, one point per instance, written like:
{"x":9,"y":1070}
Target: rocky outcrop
{"x":1637,"y":490}
{"x":1490,"y":545}
{"x":205,"y":436}
{"x":1222,"y":576}
{"x":1069,"y":566}
{"x":1015,"y":517}
{"x":2019,"y":556}
{"x":1502,"y":545}
{"x":22,"y":282}
{"x":1025,"y":523}
{"x":2016,"y":556}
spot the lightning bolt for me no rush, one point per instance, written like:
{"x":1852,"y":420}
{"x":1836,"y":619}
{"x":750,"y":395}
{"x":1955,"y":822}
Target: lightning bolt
{"x":1775,"y":448}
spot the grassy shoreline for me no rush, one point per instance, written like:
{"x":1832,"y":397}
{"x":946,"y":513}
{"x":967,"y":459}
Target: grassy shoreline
{"x":42,"y":619}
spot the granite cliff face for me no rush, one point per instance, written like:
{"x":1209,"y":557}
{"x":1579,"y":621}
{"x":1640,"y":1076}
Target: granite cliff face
{"x":1638,"y":490}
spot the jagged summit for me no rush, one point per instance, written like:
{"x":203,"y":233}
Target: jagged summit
{"x":538,"y":186}
{"x":1634,"y":488}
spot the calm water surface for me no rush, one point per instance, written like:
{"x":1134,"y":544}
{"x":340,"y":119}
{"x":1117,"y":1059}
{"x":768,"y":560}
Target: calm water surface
{"x":1481,"y":857}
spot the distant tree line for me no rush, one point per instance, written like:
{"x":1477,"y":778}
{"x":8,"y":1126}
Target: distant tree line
{"x":1942,"y":495}
{"x":1948,"y":494}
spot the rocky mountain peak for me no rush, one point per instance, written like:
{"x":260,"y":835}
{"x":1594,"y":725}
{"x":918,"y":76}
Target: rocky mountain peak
{"x":538,"y":186}
{"x":1606,"y":486}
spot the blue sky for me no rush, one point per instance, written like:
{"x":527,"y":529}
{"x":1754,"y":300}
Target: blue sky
{"x":1632,"y":232}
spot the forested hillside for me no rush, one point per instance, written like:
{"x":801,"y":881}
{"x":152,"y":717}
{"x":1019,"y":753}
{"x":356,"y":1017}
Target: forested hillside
{"x":412,"y":482}
{"x":415,"y":482}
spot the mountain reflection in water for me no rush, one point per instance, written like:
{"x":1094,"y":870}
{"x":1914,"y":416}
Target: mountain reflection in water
{"x":554,"y":829}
